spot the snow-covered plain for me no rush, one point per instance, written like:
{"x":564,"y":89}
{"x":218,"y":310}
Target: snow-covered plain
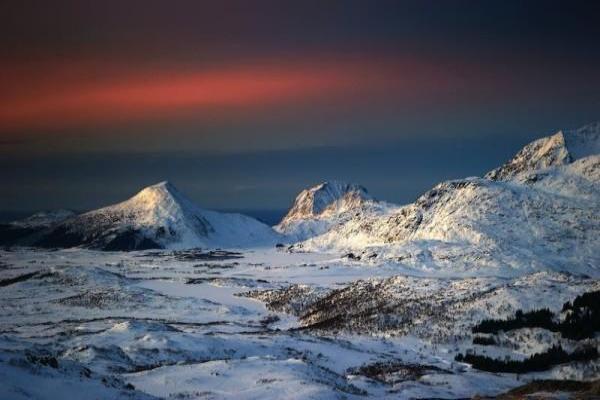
{"x":359,"y":298}
{"x":178,"y":328}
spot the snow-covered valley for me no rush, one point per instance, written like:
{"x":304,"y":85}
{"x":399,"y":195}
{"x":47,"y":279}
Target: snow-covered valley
{"x":347,"y":297}
{"x":179,"y":328}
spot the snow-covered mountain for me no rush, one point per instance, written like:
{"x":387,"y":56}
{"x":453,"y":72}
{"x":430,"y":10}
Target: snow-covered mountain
{"x":43,"y":219}
{"x":17,"y":232}
{"x":317,"y":209}
{"x":538,"y":210}
{"x":561,"y":148}
{"x":159,"y":216}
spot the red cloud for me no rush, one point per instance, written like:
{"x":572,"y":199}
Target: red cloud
{"x":99,"y":92}
{"x":67,"y":95}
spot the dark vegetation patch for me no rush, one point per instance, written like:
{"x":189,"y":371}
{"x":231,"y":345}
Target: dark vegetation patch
{"x":199,"y":255}
{"x":294,"y":299}
{"x":94,"y":299}
{"x":196,"y":254}
{"x":392,"y":372}
{"x":582,"y":319}
{"x":358,"y":257}
{"x":209,"y":266}
{"x":582,"y":316}
{"x":533,"y":319}
{"x":24,"y":277}
{"x":363,"y":307}
{"x":581,"y":389}
{"x":42,"y":359}
{"x":484,"y":341}
{"x":537,"y":362}
{"x":234,"y":281}
{"x":351,"y":256}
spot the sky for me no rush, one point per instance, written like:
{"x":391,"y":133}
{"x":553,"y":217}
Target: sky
{"x":241,"y":104}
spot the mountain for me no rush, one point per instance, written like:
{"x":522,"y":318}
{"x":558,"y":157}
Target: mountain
{"x":315,"y":210}
{"x":43,"y":219}
{"x":538,"y":210}
{"x":16,"y":231}
{"x":561,"y":148}
{"x":159,"y":216}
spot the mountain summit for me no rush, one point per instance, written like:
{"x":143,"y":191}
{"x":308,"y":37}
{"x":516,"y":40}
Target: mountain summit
{"x":317,"y":208}
{"x":538,"y":210}
{"x":561,"y":148}
{"x":326,"y":199}
{"x":159,"y":216}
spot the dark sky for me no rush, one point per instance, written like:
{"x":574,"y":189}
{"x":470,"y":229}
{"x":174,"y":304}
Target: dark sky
{"x":241,"y":104}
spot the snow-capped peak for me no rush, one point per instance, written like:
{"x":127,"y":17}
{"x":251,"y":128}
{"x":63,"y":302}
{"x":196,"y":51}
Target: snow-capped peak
{"x":327,"y":198}
{"x":541,"y":207}
{"x":161,"y":207}
{"x":161,"y":195}
{"x":318,"y":208}
{"x":561,"y":148}
{"x":164,"y":188}
{"x":157,"y":203}
{"x":158,"y":216}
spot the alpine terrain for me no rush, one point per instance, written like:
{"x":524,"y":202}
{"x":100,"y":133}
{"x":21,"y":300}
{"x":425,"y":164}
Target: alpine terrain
{"x":159,"y":216}
{"x":482,"y":287}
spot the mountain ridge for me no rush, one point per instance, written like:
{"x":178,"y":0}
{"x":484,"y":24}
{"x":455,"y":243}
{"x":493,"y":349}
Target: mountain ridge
{"x":561,"y":148}
{"x":540,"y":206}
{"x":158,"y":216}
{"x":539,"y":212}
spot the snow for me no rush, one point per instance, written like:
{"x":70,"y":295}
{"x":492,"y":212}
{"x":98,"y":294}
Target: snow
{"x":131,"y":317}
{"x":162,"y":205}
{"x":160,"y":216}
{"x":317,"y":209}
{"x":559,"y":149}
{"x":542,"y":207}
{"x":299,"y":322}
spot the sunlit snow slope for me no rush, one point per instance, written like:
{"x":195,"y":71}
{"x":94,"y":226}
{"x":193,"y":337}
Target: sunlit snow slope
{"x":317,"y":209}
{"x":540,"y":209}
{"x":159,"y":216}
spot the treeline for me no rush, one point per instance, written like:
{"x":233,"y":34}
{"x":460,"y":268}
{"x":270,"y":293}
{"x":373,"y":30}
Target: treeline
{"x":533,"y":319}
{"x":484,"y":341}
{"x":537,"y":362}
{"x":582,"y":319}
{"x":583,"y":316}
